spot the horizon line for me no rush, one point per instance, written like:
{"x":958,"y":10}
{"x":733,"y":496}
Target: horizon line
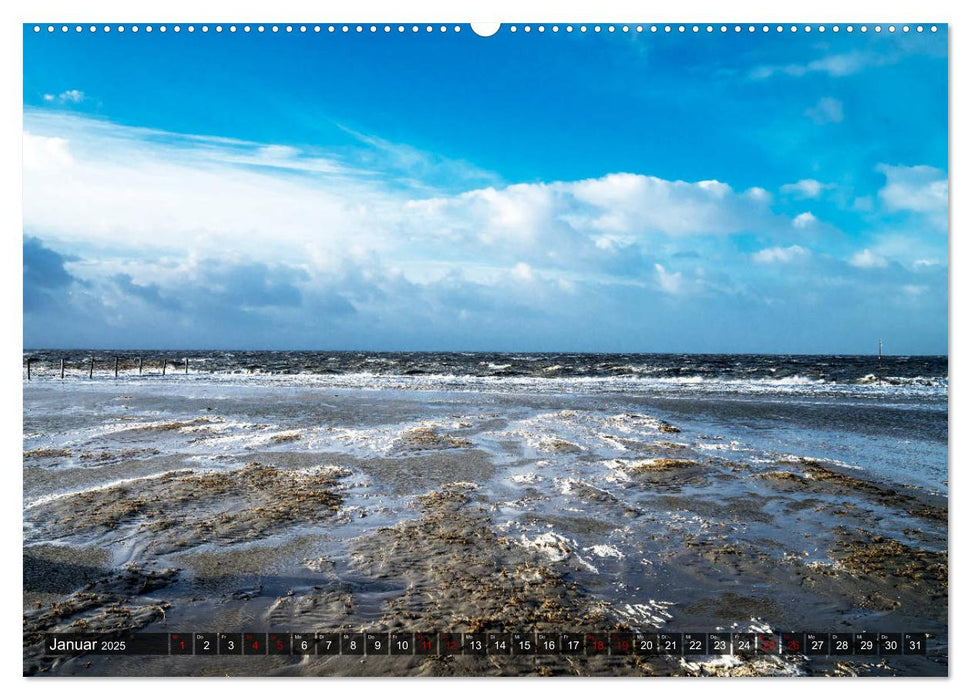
{"x":477,"y":352}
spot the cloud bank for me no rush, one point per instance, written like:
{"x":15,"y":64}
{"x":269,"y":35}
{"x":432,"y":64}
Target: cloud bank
{"x":136,"y":237}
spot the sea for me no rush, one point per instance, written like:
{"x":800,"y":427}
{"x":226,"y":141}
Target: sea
{"x":883,"y":415}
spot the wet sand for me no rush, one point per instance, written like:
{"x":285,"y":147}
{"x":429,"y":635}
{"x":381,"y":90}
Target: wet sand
{"x":382,"y":511}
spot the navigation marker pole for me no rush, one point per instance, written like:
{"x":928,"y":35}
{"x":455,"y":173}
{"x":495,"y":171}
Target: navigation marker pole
{"x":880,"y":360}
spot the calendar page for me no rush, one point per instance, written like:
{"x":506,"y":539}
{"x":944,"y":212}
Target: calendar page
{"x":448,"y":349}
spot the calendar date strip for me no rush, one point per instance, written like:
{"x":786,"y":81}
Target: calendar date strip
{"x":489,"y":643}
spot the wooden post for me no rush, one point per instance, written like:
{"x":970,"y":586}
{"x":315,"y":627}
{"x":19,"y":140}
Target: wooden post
{"x":91,"y":369}
{"x":139,"y":366}
{"x":187,"y":365}
{"x":116,"y":367}
{"x":62,"y":368}
{"x":163,"y":367}
{"x":29,"y":360}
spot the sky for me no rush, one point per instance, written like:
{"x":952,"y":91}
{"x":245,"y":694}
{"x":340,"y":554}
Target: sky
{"x":605,"y":192}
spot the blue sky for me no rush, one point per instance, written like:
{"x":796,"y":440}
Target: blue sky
{"x":605,"y":192}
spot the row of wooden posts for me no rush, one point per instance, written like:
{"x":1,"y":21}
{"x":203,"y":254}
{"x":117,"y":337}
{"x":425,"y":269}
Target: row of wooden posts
{"x":163,"y":364}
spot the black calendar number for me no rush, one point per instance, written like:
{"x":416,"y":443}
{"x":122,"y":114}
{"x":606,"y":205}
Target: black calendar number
{"x":328,"y":644}
{"x":205,"y":643}
{"x":841,"y":644}
{"x":499,"y":643}
{"x":645,"y":644}
{"x":475,"y":644}
{"x":523,"y":643}
{"x":376,"y":643}
{"x":571,"y":643}
{"x":547,"y":643}
{"x":352,"y":644}
{"x":865,"y":644}
{"x":890,"y":643}
{"x":720,"y":643}
{"x":817,"y":644}
{"x":694,"y":644}
{"x":915,"y":644}
{"x":303,"y":643}
{"x":402,"y":643}
{"x":743,"y":643}
{"x":669,"y":643}
{"x":230,"y":643}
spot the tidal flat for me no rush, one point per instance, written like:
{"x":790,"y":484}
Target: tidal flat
{"x":198,"y":505}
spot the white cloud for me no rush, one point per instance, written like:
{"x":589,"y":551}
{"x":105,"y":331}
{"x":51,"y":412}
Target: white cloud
{"x":780,"y":255}
{"x":839,"y":65}
{"x":908,"y":247}
{"x":523,"y":272}
{"x":866,"y":258}
{"x":625,"y":202}
{"x":422,"y":170}
{"x":603,"y":213}
{"x":68,"y":96}
{"x":48,"y":153}
{"x":115,"y":188}
{"x":804,"y":220}
{"x":806,"y":189}
{"x":834,"y":65}
{"x":145,"y":195}
{"x":670,"y":282}
{"x":827,"y":110}
{"x":758,"y":194}
{"x":920,"y":189}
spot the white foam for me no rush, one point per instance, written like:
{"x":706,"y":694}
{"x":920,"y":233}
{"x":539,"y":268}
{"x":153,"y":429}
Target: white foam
{"x":613,"y":442}
{"x":605,"y":551}
{"x":652,"y":613}
{"x":587,"y":565}
{"x":616,"y":475}
{"x":733,"y":446}
{"x":554,"y":546}
{"x":931,"y":387}
{"x":51,"y":497}
{"x":759,"y":626}
{"x":724,"y":662}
